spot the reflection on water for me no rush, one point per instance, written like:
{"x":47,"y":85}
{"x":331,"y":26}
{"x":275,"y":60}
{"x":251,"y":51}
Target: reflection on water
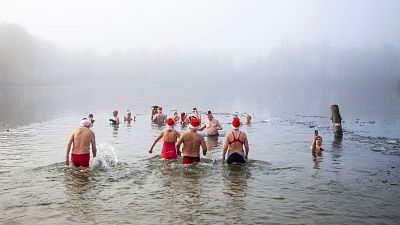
{"x":213,"y":150}
{"x":336,"y":152}
{"x":115,"y":130}
{"x":317,"y":158}
{"x":126,"y":185}
{"x":236,"y":182}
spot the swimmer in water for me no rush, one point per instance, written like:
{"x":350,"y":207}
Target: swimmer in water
{"x":175,"y":116}
{"x":248,"y":118}
{"x":316,"y":145}
{"x":154,"y":110}
{"x":236,"y":144}
{"x":183,"y":120}
{"x":196,"y":114}
{"x":170,"y":136}
{"x":159,"y":118}
{"x":191,"y":144}
{"x":91,"y":119}
{"x":211,"y":124}
{"x":115,"y":119}
{"x":80,"y":140}
{"x":128,"y":117}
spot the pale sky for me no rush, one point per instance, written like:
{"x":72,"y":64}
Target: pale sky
{"x":241,"y":28}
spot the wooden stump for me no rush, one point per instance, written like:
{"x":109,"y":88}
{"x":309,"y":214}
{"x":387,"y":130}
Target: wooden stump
{"x":336,"y":121}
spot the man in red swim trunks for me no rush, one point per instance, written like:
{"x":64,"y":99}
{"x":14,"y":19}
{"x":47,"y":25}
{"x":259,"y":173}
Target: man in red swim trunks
{"x":191,"y":144}
{"x":81,"y":139}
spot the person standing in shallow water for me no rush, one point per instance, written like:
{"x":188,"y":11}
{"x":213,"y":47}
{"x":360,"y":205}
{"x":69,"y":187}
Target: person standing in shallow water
{"x":115,"y":119}
{"x":248,"y":118}
{"x":80,"y":140}
{"x":170,"y":136}
{"x":236,"y":144}
{"x":128,"y":117}
{"x":91,"y":119}
{"x":191,"y":143}
{"x":154,"y":110}
{"x":159,"y":118}
{"x":316,"y":145}
{"x":211,"y":124}
{"x":196,"y":114}
{"x":183,"y":120}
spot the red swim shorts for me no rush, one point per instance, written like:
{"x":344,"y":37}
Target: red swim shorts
{"x":80,"y":160}
{"x":190,"y":160}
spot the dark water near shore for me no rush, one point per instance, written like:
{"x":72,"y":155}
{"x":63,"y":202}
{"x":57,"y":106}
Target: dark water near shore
{"x":355,"y":180}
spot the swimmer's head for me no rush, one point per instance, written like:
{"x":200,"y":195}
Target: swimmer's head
{"x":115,"y":113}
{"x":170,"y":123}
{"x":85,"y":122}
{"x":209,"y":114}
{"x":194,"y":124}
{"x":90,"y":115}
{"x":248,"y":118}
{"x":319,"y":140}
{"x":128,"y":112}
{"x":236,"y":123}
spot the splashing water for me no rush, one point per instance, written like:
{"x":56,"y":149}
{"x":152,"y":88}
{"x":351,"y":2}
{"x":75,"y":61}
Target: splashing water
{"x":106,"y":158}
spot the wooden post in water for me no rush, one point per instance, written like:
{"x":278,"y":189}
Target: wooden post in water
{"x":336,"y":121}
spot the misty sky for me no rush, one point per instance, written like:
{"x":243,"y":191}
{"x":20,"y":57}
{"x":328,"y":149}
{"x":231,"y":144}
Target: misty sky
{"x":240,"y":28}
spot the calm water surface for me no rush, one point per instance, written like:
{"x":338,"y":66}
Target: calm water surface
{"x":355,"y":180}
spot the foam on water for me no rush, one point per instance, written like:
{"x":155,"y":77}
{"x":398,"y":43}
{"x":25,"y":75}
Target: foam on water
{"x":106,"y":158}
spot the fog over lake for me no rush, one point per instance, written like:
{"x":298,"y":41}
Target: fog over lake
{"x":282,"y":62}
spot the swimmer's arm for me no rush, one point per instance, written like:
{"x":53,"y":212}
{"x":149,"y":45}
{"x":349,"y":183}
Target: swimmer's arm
{"x":225,"y":147}
{"x":71,"y":140}
{"x":204,"y":146}
{"x":178,"y":145}
{"x":94,"y":148}
{"x":314,"y":144}
{"x":219,"y":125}
{"x":155,"y":141}
{"x":246,"y":146}
{"x":203,"y":125}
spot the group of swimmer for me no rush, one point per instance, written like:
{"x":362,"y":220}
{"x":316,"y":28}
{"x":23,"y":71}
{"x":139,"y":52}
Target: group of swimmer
{"x":235,"y":146}
{"x":127,"y":118}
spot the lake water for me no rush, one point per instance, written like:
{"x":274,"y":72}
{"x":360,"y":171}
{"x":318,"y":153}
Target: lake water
{"x":355,"y":180}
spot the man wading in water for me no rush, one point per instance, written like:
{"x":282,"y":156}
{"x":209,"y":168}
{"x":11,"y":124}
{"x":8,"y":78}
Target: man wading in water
{"x":81,"y":139}
{"x":191,"y":143}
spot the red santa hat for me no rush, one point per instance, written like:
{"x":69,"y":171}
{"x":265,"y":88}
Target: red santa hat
{"x":236,"y":123}
{"x":85,"y":122}
{"x":194,"y":124}
{"x":170,"y":122}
